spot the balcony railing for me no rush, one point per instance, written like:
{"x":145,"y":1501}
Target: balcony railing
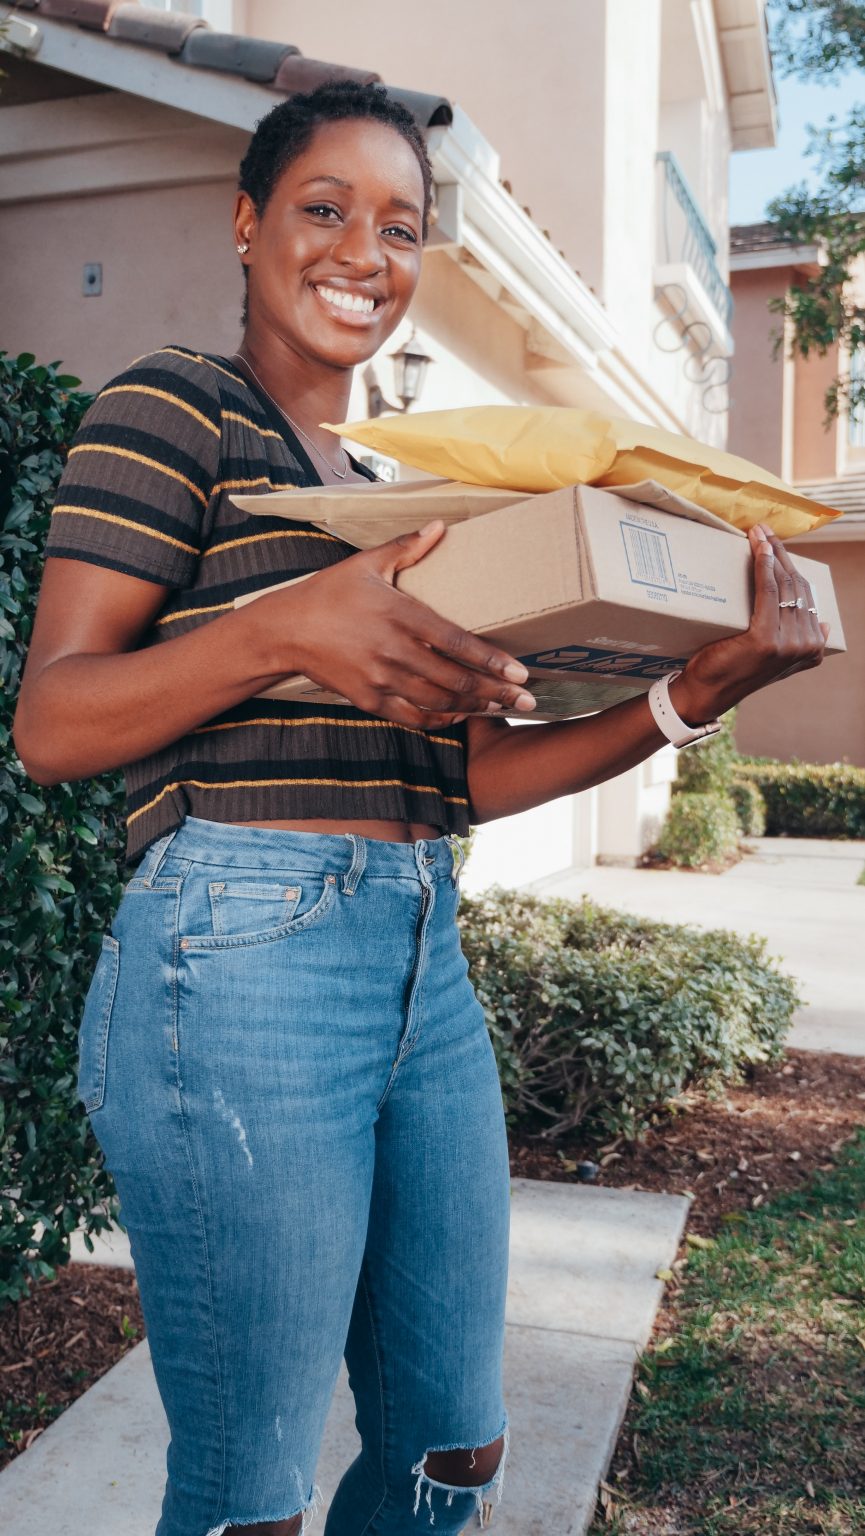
{"x":683,"y":235}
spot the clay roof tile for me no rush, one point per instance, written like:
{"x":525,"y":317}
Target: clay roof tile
{"x":252,"y":57}
{"x":168,"y":30}
{"x":296,"y":73}
{"x":95,"y":14}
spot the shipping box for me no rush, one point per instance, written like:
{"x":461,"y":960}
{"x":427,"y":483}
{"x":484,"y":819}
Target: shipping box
{"x":597,"y":594}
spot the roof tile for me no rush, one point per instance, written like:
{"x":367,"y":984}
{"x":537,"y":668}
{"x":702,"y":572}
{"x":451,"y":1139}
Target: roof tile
{"x":252,"y":57}
{"x":296,"y":73}
{"x":759,"y":237}
{"x":168,"y":30}
{"x":428,"y":111}
{"x":191,"y":41}
{"x":87,"y":13}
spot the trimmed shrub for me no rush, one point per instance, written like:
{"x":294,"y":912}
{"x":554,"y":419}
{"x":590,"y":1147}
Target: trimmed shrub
{"x":61,"y":856}
{"x":750,"y":807}
{"x":700,"y":829}
{"x":706,"y":768}
{"x":808,"y":799}
{"x":598,"y":1018}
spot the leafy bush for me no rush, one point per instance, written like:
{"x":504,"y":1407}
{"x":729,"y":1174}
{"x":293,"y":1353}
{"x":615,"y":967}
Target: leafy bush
{"x":706,"y":768}
{"x":61,"y":864}
{"x":700,"y":829}
{"x":807,"y":799}
{"x":750,"y":807}
{"x":598,"y":1018}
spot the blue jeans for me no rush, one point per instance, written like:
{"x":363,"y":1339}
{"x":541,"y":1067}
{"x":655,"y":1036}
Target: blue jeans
{"x":292,"y":1083}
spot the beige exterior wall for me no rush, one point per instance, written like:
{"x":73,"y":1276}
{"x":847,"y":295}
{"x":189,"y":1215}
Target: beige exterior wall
{"x":777,"y":411}
{"x":817,"y":449}
{"x":817,"y":716}
{"x":757,"y":389}
{"x":170,"y":273}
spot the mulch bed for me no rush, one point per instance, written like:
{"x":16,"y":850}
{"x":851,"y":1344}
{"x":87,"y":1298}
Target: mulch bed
{"x":56,"y":1342}
{"x":729,"y":1153}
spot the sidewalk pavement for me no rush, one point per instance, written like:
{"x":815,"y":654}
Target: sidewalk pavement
{"x":800,"y":893}
{"x":581,"y":1301}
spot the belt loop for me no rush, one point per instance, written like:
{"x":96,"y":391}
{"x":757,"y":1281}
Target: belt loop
{"x":456,"y":847}
{"x":157,"y":853}
{"x":358,"y":863}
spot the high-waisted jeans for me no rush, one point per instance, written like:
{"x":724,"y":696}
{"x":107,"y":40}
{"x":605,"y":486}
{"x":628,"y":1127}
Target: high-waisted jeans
{"x":292,"y":1083}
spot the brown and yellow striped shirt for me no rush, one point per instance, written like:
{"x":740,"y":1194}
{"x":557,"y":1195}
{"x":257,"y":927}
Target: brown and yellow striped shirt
{"x":146,"y":491}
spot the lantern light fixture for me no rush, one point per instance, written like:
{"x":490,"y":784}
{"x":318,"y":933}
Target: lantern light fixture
{"x":410,"y":364}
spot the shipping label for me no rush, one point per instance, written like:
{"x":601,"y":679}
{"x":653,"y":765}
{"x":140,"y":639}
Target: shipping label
{"x":648,"y":555}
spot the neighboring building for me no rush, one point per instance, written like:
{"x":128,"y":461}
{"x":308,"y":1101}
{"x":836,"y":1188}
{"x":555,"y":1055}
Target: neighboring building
{"x":778,"y":419}
{"x":595,"y":275}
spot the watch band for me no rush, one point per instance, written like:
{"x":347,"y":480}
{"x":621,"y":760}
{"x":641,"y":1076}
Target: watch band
{"x":669,"y":723}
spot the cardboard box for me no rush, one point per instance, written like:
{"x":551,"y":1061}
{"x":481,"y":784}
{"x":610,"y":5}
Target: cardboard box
{"x":596,"y":594}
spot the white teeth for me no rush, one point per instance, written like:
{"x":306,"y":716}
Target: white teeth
{"x":357,"y":302}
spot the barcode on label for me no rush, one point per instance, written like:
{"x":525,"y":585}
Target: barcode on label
{"x":648,"y":556}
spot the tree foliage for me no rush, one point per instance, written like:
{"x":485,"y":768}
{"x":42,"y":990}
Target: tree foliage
{"x":815,"y":39}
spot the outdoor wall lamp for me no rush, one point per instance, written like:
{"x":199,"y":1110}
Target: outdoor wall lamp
{"x":409,"y":371}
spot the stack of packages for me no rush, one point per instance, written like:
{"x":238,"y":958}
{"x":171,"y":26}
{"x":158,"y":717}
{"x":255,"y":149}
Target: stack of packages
{"x":601,"y":552}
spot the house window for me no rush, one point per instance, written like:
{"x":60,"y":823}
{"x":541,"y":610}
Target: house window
{"x":856,"y":416}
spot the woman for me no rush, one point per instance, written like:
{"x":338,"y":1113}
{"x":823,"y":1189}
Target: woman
{"x":297,"y":1095}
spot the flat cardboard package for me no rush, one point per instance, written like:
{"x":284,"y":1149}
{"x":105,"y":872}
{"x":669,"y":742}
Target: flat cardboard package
{"x":596,"y":594}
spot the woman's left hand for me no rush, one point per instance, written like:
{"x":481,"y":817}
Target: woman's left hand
{"x":784,"y":636}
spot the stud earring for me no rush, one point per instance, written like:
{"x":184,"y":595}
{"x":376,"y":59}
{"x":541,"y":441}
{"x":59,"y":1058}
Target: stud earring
{"x":242,"y":249}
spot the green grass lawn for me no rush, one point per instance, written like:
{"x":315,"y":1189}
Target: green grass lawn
{"x":749,"y":1414}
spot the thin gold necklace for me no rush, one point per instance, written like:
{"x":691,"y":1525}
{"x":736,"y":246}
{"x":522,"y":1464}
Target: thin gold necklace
{"x":340,"y":474}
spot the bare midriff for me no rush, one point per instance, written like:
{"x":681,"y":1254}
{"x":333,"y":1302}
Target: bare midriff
{"x":387,"y":831}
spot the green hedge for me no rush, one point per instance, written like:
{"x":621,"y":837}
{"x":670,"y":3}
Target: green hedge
{"x":807,"y":799}
{"x":699,"y":829}
{"x":750,"y":807}
{"x":598,"y":1018}
{"x":706,"y":767}
{"x":61,"y":869}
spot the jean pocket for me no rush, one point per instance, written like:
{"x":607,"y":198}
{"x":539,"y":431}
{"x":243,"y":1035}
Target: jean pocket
{"x":259,"y":911}
{"x":246,"y":908}
{"x":95,"y":1024}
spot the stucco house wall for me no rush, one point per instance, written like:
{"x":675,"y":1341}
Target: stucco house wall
{"x":778,"y":419}
{"x":817,"y":716}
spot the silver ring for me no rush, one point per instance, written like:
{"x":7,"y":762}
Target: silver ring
{"x":812,"y":610}
{"x":793,"y":602}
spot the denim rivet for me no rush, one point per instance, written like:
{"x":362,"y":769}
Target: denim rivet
{"x":184,"y":943}
{"x":331,"y":879}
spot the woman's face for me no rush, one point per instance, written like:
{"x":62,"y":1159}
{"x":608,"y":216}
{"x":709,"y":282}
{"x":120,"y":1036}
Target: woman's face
{"x":336,"y":256}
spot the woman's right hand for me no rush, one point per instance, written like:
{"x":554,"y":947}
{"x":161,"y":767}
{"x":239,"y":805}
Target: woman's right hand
{"x":354,"y":633}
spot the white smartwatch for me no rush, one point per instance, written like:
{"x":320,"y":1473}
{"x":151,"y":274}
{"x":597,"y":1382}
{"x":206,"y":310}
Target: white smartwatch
{"x":669,"y":723}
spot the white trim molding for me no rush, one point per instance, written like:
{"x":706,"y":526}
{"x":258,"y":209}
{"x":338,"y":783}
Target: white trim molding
{"x":778,"y":256}
{"x":485,"y":221}
{"x":744,"y":41}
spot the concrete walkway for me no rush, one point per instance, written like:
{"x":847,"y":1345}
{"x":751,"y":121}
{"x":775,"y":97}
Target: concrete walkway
{"x":800,"y":893}
{"x":581,"y":1302}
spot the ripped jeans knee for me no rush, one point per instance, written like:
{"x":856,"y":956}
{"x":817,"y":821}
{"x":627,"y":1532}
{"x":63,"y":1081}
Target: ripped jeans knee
{"x":481,"y":1470}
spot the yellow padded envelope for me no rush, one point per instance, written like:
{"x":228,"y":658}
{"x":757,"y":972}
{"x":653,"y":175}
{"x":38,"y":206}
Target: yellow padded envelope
{"x":543,"y":448}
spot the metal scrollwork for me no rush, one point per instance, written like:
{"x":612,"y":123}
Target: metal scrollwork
{"x":703,"y":364}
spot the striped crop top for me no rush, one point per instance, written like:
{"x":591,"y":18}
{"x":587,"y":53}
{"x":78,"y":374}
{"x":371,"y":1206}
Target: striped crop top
{"x":146,"y":491}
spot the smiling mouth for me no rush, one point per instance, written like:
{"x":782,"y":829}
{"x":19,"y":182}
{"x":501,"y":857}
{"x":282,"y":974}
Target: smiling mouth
{"x":341,"y":300}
